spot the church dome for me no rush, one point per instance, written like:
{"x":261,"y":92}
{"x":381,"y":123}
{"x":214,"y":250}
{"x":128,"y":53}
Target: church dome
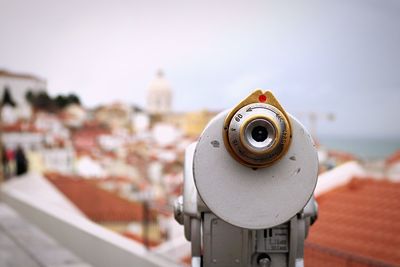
{"x":159,"y":83}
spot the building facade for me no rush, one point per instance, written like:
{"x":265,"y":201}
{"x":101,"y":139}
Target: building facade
{"x":159,"y":96}
{"x":18,"y":85}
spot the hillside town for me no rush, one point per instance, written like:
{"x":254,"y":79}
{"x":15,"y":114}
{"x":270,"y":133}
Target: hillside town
{"x":122,"y":157}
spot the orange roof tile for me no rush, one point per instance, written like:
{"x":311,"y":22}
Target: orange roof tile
{"x":85,"y":138}
{"x":9,"y":74}
{"x":394,"y":158}
{"x":98,"y":204}
{"x":21,"y":127}
{"x":358,"y":225}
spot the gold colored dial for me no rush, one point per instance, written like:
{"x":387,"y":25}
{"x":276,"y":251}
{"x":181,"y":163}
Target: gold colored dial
{"x":257,"y":131}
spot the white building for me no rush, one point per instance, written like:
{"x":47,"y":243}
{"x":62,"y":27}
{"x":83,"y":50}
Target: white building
{"x":18,"y":85}
{"x":140,"y":122}
{"x":159,"y":96}
{"x":59,"y":159}
{"x":27,"y":140}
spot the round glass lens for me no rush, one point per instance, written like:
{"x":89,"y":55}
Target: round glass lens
{"x":259,"y":133}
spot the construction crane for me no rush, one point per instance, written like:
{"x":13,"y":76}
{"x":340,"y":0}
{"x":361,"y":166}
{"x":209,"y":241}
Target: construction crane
{"x":313,"y":119}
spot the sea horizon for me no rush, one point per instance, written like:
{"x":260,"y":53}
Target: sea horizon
{"x":369,"y":148}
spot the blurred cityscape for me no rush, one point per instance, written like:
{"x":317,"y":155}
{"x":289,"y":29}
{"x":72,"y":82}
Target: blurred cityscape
{"x":120,"y":166}
{"x":124,"y":158}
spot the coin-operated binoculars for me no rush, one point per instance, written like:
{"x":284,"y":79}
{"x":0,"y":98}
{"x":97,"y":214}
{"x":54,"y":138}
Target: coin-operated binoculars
{"x":248,"y":187}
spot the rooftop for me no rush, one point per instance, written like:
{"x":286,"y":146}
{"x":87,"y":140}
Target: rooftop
{"x":97,"y":204}
{"x":35,"y":198}
{"x":357,"y":224}
{"x":9,"y":74}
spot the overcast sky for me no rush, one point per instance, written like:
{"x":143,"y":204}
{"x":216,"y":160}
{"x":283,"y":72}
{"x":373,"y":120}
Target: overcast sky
{"x":338,"y":56}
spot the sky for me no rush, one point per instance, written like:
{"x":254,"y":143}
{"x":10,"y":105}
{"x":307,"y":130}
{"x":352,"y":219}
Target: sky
{"x":337,"y":56}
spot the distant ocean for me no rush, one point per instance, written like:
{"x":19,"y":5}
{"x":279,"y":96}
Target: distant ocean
{"x":366,"y":148}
